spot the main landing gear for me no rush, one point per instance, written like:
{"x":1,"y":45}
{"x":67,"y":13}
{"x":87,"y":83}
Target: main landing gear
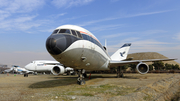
{"x":26,"y":75}
{"x":81,"y":76}
{"x":119,"y":72}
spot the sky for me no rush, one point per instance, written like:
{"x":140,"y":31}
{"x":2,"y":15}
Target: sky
{"x":150,"y":25}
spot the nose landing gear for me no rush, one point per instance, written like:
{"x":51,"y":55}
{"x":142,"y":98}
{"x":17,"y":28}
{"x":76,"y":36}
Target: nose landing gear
{"x":81,"y":77}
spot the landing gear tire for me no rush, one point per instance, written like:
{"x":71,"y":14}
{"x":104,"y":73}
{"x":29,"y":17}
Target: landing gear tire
{"x":68,"y":73}
{"x":25,"y":75}
{"x":85,"y":75}
{"x":119,"y":73}
{"x":80,"y":79}
{"x":81,"y":82}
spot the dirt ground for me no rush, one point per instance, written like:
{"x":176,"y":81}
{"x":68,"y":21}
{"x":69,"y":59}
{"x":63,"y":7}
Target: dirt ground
{"x":64,"y":88}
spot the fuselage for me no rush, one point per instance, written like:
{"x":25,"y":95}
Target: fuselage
{"x":76,"y":47}
{"x":41,"y":65}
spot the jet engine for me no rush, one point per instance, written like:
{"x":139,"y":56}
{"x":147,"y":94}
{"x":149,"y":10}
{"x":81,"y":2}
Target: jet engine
{"x":56,"y":70}
{"x":142,"y":68}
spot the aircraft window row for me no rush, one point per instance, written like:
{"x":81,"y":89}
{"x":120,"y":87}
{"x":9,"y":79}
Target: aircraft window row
{"x":75,"y":33}
{"x":86,"y":37}
{"x":79,"y":34}
{"x":55,"y":31}
{"x":40,"y":64}
{"x":52,"y":64}
{"x":65,"y":31}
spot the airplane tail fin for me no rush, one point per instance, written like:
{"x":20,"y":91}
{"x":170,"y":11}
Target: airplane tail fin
{"x":121,"y":54}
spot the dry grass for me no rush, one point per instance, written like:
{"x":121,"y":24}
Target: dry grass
{"x":49,"y":87}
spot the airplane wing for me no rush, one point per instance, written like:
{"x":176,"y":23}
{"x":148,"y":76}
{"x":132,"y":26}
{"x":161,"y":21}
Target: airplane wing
{"x":8,"y":70}
{"x":121,"y":63}
{"x":28,"y":72}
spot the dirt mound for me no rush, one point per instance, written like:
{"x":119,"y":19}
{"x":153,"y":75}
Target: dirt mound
{"x":150,"y":55}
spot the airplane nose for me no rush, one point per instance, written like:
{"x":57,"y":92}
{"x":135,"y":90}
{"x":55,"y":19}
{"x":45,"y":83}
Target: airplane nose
{"x":56,"y":44}
{"x":27,"y":66}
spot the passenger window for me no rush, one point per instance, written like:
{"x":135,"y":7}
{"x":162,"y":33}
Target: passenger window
{"x":84,"y":36}
{"x":55,"y":31}
{"x":79,"y":34}
{"x":88,"y":37}
{"x":65,"y":31}
{"x":73,"y":32}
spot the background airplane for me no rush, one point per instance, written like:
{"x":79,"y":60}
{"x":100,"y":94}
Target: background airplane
{"x":17,"y":69}
{"x":48,"y":66}
{"x":78,"y":48}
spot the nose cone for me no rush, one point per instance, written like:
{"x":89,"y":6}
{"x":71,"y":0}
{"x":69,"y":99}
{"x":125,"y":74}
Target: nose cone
{"x":56,"y":44}
{"x":29,"y":67}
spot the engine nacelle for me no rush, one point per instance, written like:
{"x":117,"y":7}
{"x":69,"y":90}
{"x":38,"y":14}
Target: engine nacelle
{"x":57,"y":70}
{"x":142,"y":68}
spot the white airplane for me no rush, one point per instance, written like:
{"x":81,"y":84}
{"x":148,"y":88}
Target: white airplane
{"x":17,"y":69}
{"x":78,"y":48}
{"x":48,"y":66}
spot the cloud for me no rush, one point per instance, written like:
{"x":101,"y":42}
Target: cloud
{"x":116,"y":35}
{"x":70,"y":3}
{"x":143,"y":33}
{"x":106,"y":27}
{"x":177,"y":36}
{"x":114,"y":0}
{"x":22,"y":23}
{"x":148,"y":13}
{"x":20,"y":6}
{"x":14,"y":14}
{"x":124,"y":16}
{"x":139,"y":45}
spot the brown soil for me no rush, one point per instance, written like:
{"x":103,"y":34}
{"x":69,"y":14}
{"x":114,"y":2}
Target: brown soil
{"x":150,"y":55}
{"x":101,"y":87}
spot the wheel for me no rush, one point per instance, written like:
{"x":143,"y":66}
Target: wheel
{"x":121,"y":75}
{"x":82,"y":82}
{"x":85,"y":75}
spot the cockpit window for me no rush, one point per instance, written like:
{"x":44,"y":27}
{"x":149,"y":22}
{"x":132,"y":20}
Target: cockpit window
{"x":65,"y":31}
{"x":73,"y":32}
{"x":79,"y":34}
{"x":55,"y":31}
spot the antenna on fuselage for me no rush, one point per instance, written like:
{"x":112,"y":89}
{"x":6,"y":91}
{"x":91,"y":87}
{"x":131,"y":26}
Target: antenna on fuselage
{"x":105,"y":47}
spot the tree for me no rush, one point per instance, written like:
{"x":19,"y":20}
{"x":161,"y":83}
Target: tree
{"x":150,"y":67}
{"x":124,"y":67}
{"x":133,"y":67}
{"x":158,"y":65}
{"x":168,"y":66}
{"x":175,"y":67}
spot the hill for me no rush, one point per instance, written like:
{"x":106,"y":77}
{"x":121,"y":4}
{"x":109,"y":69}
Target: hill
{"x":150,"y":55}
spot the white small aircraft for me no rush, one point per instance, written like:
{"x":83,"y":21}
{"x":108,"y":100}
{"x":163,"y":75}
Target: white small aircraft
{"x":78,"y":48}
{"x":17,"y":69}
{"x":48,"y":66}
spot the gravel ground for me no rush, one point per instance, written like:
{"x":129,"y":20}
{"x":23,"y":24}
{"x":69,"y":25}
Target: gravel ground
{"x":101,"y":87}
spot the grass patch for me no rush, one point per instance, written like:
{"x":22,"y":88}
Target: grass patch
{"x":147,"y":98}
{"x":87,"y":94}
{"x":107,"y":90}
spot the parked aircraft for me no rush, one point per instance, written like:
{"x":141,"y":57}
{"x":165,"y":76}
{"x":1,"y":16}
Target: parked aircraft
{"x":78,"y":48}
{"x":17,"y":69}
{"x":48,"y":66}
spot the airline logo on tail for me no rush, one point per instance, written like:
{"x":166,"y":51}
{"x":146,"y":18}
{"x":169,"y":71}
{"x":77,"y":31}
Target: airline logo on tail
{"x":122,"y":54}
